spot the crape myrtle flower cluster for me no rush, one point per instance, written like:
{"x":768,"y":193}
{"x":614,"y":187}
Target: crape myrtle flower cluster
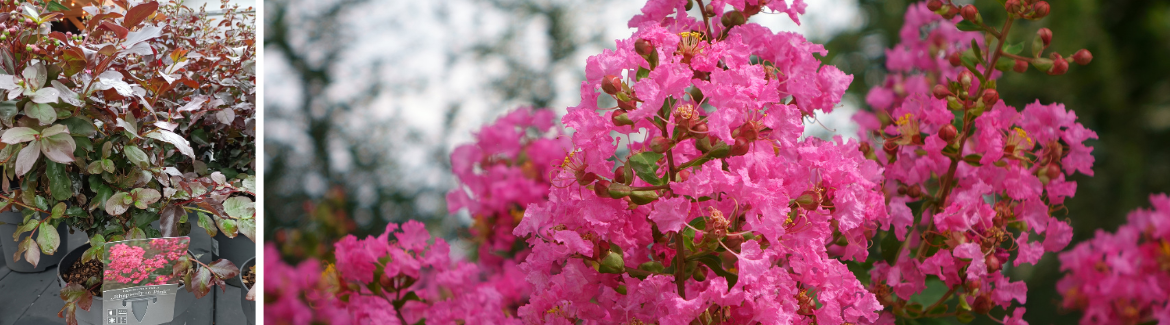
{"x":510,"y":165}
{"x":378,"y":280}
{"x":130,"y":264}
{"x":972,"y":184}
{"x":695,"y":198}
{"x":1122,"y":277}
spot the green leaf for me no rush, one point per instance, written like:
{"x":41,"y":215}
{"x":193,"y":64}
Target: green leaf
{"x":891,"y":246}
{"x":58,"y":147}
{"x":48,"y":238}
{"x":144,"y":197}
{"x":136,"y":156}
{"x":934,"y":291}
{"x":643,"y":73}
{"x":7,"y":112}
{"x":135,"y":233}
{"x":19,"y":134}
{"x":42,"y":112}
{"x":117,"y":204}
{"x":58,"y":210}
{"x":408,"y":297}
{"x":202,"y":282}
{"x":206,"y":223}
{"x":27,"y":226}
{"x":646,"y":166}
{"x":53,"y":6}
{"x":228,"y":226}
{"x":60,"y":186}
{"x":239,"y":207}
{"x":247,"y":227}
{"x":968,"y":26}
{"x":1014,"y":48}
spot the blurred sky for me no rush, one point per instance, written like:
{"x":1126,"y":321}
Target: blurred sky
{"x":428,"y":66}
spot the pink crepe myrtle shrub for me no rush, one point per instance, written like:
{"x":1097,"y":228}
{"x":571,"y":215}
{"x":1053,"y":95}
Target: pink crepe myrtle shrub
{"x":132,"y":264}
{"x":710,"y":208}
{"x":968,"y":179}
{"x":394,"y":278}
{"x":1122,"y":277}
{"x":507,"y":168}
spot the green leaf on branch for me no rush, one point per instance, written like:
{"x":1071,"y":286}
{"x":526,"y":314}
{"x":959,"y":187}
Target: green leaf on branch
{"x":206,"y":223}
{"x":410,"y":296}
{"x":223,"y":269}
{"x":136,"y":156}
{"x":643,"y":73}
{"x":119,"y":203}
{"x":202,"y":282}
{"x":646,"y":166}
{"x":239,"y":207}
{"x":60,"y":186}
{"x":228,"y":226}
{"x":42,"y":112}
{"x":1014,"y":48}
{"x":48,"y":238}
{"x":968,"y":26}
{"x":891,"y":246}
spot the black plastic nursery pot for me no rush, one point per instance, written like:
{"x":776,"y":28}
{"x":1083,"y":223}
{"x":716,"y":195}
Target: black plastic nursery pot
{"x":11,"y":220}
{"x":93,"y":316}
{"x":238,"y":250}
{"x":248,"y":305}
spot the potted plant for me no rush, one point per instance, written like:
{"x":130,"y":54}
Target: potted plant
{"x":114,"y":110}
{"x":248,"y":294}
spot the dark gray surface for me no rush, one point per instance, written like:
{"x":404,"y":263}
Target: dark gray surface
{"x":32,"y":298}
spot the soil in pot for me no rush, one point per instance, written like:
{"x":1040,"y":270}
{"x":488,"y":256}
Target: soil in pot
{"x":249,"y":277}
{"x":83,"y":271}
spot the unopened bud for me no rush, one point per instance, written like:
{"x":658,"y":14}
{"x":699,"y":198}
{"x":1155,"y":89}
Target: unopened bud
{"x":965,"y":79}
{"x":993,"y":263}
{"x":982,"y":305}
{"x":970,"y":13}
{"x":621,"y":118}
{"x":890,"y":147}
{"x":1020,"y":66}
{"x":643,"y":197}
{"x":612,"y":263}
{"x":1059,"y":65}
{"x":1045,"y":35}
{"x":941,"y":92}
{"x":1039,"y":9}
{"x":627,"y":105}
{"x":809,"y":200}
{"x":951,"y":11}
{"x":1083,"y":57}
{"x":954,"y":103}
{"x":584,"y":179}
{"x":1042,"y":64}
{"x":624,"y":175}
{"x":643,"y":47}
{"x":684,"y":175}
{"x":611,"y":84}
{"x":1012,"y":6}
{"x":601,"y":188}
{"x":914,"y":191}
{"x":732,"y":18}
{"x":661,"y":144}
{"x":741,"y":146}
{"x":1053,"y":171}
{"x":700,"y":130}
{"x":955,"y":59}
{"x":990,"y":97}
{"x":934,"y":5}
{"x":948,"y":132}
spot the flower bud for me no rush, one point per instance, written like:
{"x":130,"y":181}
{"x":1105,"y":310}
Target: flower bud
{"x":951,"y":11}
{"x":1083,"y":57}
{"x":948,"y":132}
{"x":611,"y":84}
{"x":809,"y":200}
{"x":661,"y":144}
{"x":1053,"y":171}
{"x":741,"y":146}
{"x":934,"y":5}
{"x":941,"y":92}
{"x":652,"y":267}
{"x":982,"y":305}
{"x":612,"y":263}
{"x":643,"y":47}
{"x":684,"y":175}
{"x":700,"y":130}
{"x":990,"y":97}
{"x":627,"y":105}
{"x":1039,"y":9}
{"x":601,"y":188}
{"x":965,"y":79}
{"x":732,"y":18}
{"x":890,"y":147}
{"x":1042,"y":64}
{"x":584,"y":179}
{"x":970,"y":13}
{"x":954,"y":103}
{"x":621,"y":118}
{"x":1020,"y":66}
{"x":1012,"y":6}
{"x":955,"y":59}
{"x":914,"y":191}
{"x":643,"y":197}
{"x":624,"y":175}
{"x":1045,"y":35}
{"x":993,"y":263}
{"x":1059,"y":65}
{"x":618,"y":190}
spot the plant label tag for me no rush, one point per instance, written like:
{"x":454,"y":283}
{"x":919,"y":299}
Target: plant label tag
{"x":152,"y":304}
